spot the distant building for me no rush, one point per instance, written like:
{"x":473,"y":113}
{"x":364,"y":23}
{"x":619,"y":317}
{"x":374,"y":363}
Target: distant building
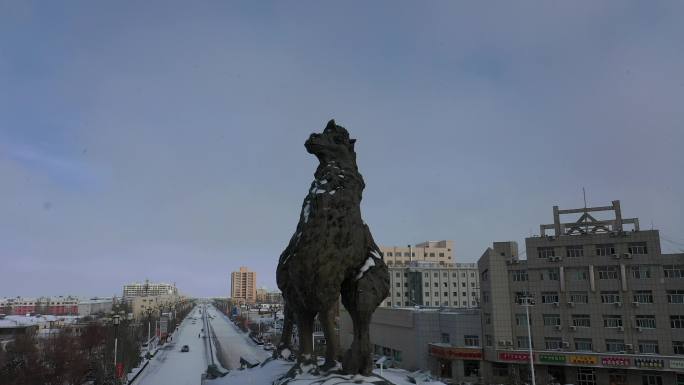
{"x":243,"y":286}
{"x":153,"y":306}
{"x":95,"y":306}
{"x":148,"y":289}
{"x":445,"y":341}
{"x":607,"y":304}
{"x":440,"y":252}
{"x":268,"y":297}
{"x":61,"y":305}
{"x":433,"y":284}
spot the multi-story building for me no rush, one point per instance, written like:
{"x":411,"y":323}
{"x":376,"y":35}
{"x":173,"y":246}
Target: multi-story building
{"x":148,"y":289}
{"x":243,"y":286}
{"x":440,"y":252}
{"x":264,"y":296}
{"x":422,"y":283}
{"x":153,"y":306}
{"x":605,"y":305}
{"x":61,"y":305}
{"x":445,"y":341}
{"x":94,"y":306}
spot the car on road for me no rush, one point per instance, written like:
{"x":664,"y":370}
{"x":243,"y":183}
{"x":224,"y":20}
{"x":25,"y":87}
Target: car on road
{"x":185,"y":349}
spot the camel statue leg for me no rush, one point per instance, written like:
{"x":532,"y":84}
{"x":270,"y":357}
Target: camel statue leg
{"x":286,"y":338}
{"x":305,"y":325}
{"x":328,"y":322}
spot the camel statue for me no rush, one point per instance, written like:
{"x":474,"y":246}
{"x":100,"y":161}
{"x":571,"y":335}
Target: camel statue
{"x":332,"y":254}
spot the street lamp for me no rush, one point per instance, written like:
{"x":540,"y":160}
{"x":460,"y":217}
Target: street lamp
{"x":527,"y":302}
{"x":115,"y":320}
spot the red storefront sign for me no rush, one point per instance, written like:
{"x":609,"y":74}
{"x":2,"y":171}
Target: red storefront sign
{"x":615,"y":361}
{"x":510,"y":356}
{"x":454,"y":353}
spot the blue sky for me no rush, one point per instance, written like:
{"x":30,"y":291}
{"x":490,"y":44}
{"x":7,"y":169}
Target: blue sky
{"x":164,"y":140}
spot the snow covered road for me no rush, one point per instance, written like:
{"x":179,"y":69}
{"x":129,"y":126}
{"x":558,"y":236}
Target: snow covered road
{"x":172,"y":367}
{"x":233,"y":342}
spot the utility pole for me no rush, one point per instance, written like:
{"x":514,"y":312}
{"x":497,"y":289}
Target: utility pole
{"x":527,"y":302}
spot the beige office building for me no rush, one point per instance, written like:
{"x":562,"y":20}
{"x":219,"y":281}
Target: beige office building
{"x":440,"y":252}
{"x":243,"y":286}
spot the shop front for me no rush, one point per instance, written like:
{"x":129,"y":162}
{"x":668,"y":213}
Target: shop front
{"x":459,"y":364}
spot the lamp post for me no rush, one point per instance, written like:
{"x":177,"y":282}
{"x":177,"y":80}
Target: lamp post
{"x":527,"y":302}
{"x":115,"y":320}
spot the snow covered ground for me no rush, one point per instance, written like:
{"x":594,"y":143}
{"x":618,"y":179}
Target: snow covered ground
{"x":273,"y":371}
{"x":172,"y":367}
{"x":233,"y":342}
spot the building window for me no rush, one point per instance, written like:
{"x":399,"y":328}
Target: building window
{"x":578,"y":274}
{"x":427,"y":303}
{"x":471,"y":368}
{"x":519,"y":275}
{"x":427,"y":293}
{"x":427,"y":284}
{"x":552,"y":343}
{"x":436,"y":284}
{"x":397,"y":355}
{"x":470,"y":340}
{"x":463,"y":284}
{"x":586,"y":376}
{"x":645,"y":321}
{"x":485,"y":296}
{"x":441,"y":255}
{"x":445,"y":338}
{"x":612,"y":321}
{"x":673,"y":271}
{"x":574,"y":251}
{"x":445,"y":274}
{"x":436,"y":294}
{"x":615,"y":346}
{"x":487,"y":318}
{"x":551,"y":319}
{"x":545,"y":252}
{"x":472,"y":284}
{"x":446,"y":293}
{"x":607,"y":272}
{"x":398,"y":294}
{"x":610,"y":296}
{"x":678,"y":347}
{"x":641,"y":271}
{"x":432,"y":254}
{"x":581,"y":320}
{"x":523,"y":343}
{"x":445,"y":284}
{"x":605,"y":249}
{"x":436,"y":275}
{"x":551,"y":274}
{"x":675,"y":296}
{"x":579,"y":297}
{"x":643,"y":296}
{"x":651,"y":379}
{"x":488,"y":340}
{"x":485,"y":275}
{"x":677,"y":321}
{"x":389,"y":253}
{"x":549,"y":297}
{"x":398,"y":303}
{"x":637,"y":248}
{"x":521,"y":319}
{"x":583,"y":344}
{"x":648,"y":347}
{"x":398,"y":284}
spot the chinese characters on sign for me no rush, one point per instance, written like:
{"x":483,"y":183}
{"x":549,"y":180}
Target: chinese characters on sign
{"x":508,"y":356}
{"x":615,"y":361}
{"x":583,"y":360}
{"x":551,"y":358}
{"x":651,"y":363}
{"x":451,"y":353}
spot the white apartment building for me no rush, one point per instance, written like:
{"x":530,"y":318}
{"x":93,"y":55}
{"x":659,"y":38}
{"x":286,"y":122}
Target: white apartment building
{"x":440,"y":252}
{"x":435,"y":285}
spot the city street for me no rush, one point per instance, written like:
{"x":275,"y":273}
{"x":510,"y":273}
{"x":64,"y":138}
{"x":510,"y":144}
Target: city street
{"x":233,"y":342}
{"x":170,"y":365}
